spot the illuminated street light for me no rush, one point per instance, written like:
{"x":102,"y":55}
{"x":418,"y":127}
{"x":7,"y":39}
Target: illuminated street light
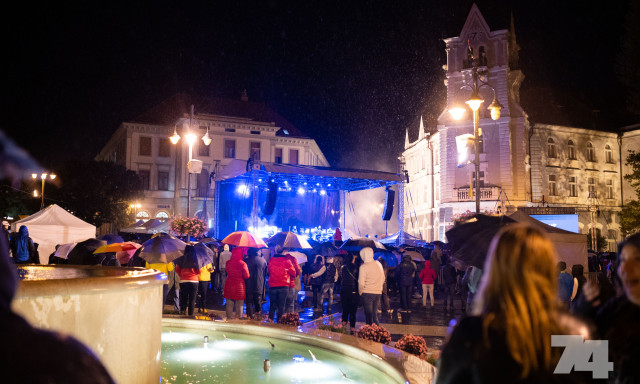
{"x":193,"y":165}
{"x":135,"y":207}
{"x":43,"y":177}
{"x":474,"y":103}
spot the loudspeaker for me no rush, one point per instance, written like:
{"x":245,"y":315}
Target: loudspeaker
{"x":388,"y":204}
{"x":272,"y":194}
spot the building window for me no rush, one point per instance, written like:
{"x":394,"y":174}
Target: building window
{"x":573,"y":191}
{"x":254,"y":132}
{"x":162,"y":216}
{"x":144,"y":179}
{"x":571,"y":149}
{"x":144,"y":149}
{"x":591,"y":153}
{"x":551,"y":149}
{"x":229,"y":129}
{"x":293,"y":156}
{"x":608,"y":154}
{"x":229,"y":149}
{"x":610,"y":189}
{"x":553,"y":190}
{"x":203,"y":150}
{"x":278,"y":156}
{"x":254,"y":150}
{"x":143,"y":215}
{"x":164,"y":150}
{"x":591,"y":182}
{"x":163,"y":181}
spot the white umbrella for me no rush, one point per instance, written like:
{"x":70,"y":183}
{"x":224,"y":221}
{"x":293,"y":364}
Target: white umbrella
{"x":300,"y":257}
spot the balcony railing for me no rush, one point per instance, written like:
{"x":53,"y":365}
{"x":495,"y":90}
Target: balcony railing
{"x":486,"y":193}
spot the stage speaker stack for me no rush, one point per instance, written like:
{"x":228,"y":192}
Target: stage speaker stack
{"x":272,"y":194}
{"x":387,"y":212}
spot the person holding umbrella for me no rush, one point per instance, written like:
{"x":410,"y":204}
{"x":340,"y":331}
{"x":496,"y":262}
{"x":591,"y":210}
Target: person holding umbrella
{"x":255,"y":283}
{"x":281,"y":272}
{"x":234,"y":287}
{"x":188,"y":283}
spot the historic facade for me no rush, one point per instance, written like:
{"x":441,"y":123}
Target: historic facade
{"x":239,"y":129}
{"x":521,"y":164}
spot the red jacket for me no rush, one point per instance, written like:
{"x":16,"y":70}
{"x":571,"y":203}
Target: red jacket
{"x":281,"y":271}
{"x":296,"y":267}
{"x":427,"y":275}
{"x":237,"y":272}
{"x":187,"y":274}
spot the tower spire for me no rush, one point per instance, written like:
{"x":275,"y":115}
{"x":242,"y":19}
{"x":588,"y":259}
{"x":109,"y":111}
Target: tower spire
{"x":406,"y":138}
{"x":514,"y":48}
{"x":421,"y":131}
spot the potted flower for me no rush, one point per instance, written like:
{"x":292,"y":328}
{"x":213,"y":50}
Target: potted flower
{"x":375,"y":333}
{"x":188,"y":226}
{"x":415,"y":345}
{"x":292,"y":319}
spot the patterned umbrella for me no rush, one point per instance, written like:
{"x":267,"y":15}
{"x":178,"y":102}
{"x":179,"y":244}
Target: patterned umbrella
{"x":162,"y":249}
{"x":244,"y":239}
{"x":289,"y":240}
{"x":117,"y":247}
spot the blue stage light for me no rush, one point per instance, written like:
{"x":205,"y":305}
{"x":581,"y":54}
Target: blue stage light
{"x":323,"y":192}
{"x":301,"y":191}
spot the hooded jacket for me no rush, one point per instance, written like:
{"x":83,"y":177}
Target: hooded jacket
{"x":296,"y":267}
{"x":22,"y":245}
{"x":281,"y":271}
{"x":237,"y":272}
{"x":317,"y":270}
{"x":406,"y":271}
{"x":371,"y":274}
{"x":427,"y":275}
{"x":225,"y":255}
{"x":257,"y":272}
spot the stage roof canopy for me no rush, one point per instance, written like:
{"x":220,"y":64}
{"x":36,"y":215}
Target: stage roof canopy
{"x":329,"y":179}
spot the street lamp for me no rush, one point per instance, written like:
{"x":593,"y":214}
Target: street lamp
{"x":193,"y":165}
{"x":135,"y":207}
{"x":42,"y":176}
{"x":474,"y":102}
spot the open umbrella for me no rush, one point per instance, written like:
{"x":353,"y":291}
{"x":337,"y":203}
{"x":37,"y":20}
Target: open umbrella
{"x":111,"y":238}
{"x":64,"y":249}
{"x":289,"y":240}
{"x":300,"y":257}
{"x":124,"y":256}
{"x":210,"y":241}
{"x":195,"y":256}
{"x":470,"y":239}
{"x":162,"y":249}
{"x":325,"y":249}
{"x":357,"y":243}
{"x":117,"y":247}
{"x":244,"y":239}
{"x":82,"y":253}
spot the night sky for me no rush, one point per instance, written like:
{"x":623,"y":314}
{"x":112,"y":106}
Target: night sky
{"x":352,"y":75}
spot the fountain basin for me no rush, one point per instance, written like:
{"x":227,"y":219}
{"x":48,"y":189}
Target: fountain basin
{"x":116,"y":312}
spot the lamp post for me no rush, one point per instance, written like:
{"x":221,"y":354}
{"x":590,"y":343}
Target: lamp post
{"x":474,"y":102}
{"x":135,"y":207}
{"x":192,"y":166}
{"x":43,"y":177}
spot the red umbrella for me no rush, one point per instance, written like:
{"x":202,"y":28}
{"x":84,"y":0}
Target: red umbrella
{"x":244,"y":239}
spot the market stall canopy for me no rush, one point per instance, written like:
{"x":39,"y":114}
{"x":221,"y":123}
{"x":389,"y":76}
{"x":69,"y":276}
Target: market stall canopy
{"x":395,"y":239}
{"x":54,"y":225}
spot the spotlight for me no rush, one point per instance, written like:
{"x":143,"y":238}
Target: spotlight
{"x":301,"y":191}
{"x":323,"y":192}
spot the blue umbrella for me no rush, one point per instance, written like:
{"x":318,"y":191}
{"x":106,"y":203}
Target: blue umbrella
{"x":111,"y":238}
{"x":162,"y":249}
{"x":195,"y":256}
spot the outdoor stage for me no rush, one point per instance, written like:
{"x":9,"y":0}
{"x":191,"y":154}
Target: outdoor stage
{"x":308,"y":200}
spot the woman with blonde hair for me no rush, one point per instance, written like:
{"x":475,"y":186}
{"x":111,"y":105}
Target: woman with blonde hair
{"x":516,"y":310}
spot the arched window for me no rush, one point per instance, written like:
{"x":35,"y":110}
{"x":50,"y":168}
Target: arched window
{"x":590,"y":153}
{"x":571,"y":150}
{"x":162,"y":216}
{"x":551,"y":149}
{"x":143,"y":215}
{"x":608,"y":154}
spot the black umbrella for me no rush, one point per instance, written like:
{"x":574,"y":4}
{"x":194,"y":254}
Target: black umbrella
{"x":82,"y":253}
{"x":195,"y":256}
{"x":325,"y":249}
{"x":470,"y":239}
{"x":111,"y":238}
{"x":356,"y":244}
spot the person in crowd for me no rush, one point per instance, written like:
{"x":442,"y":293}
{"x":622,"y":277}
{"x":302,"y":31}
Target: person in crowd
{"x":225,"y":256}
{"x":449,"y":279}
{"x":204,"y":281}
{"x":255,"y":283}
{"x":577,"y":271}
{"x":508,"y":338}
{"x":108,"y":259}
{"x":565,"y":284}
{"x":436,"y":264}
{"x":370,"y":282}
{"x":136,"y":260}
{"x":32,"y":355}
{"x":22,"y":247}
{"x":294,"y":285}
{"x":53,"y":259}
{"x":188,"y":285}
{"x":315,"y":280}
{"x":174,"y":286}
{"x":616,"y":320}
{"x":417,"y":283}
{"x":329,"y":278}
{"x":384,"y":299}
{"x":349,"y":297}
{"x":471,"y":280}
{"x":405,"y":273}
{"x":164,"y":268}
{"x":427,"y":276}
{"x":281,"y":272}
{"x":234,"y":289}
{"x":6,"y":229}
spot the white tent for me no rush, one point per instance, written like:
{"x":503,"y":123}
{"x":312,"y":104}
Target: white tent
{"x":571,"y":247}
{"x":53,"y":225}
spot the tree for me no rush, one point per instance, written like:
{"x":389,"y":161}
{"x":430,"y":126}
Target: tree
{"x":98,"y":192}
{"x":630,"y":213}
{"x":15,"y":202}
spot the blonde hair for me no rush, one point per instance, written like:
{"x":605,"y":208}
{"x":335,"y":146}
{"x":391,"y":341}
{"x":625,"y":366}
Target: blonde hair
{"x":518,"y":296}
